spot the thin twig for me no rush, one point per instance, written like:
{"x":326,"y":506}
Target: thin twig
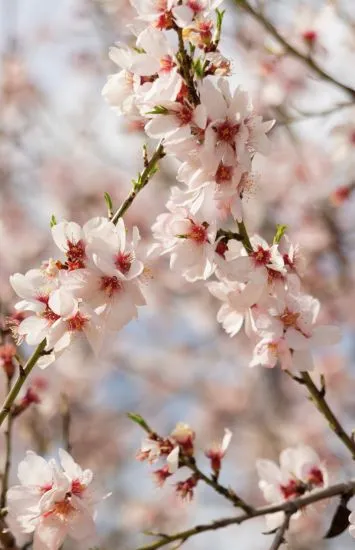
{"x":141,"y":182}
{"x":22,"y":377}
{"x":8,"y":451}
{"x":289,"y":507}
{"x":260,"y":17}
{"x":280,"y":534}
{"x":190,"y":463}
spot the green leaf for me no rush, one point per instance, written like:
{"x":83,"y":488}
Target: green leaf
{"x":280,"y":231}
{"x":138,"y":419}
{"x":199,"y":68}
{"x":159,"y":110}
{"x":53,"y":221}
{"x":109,"y":204}
{"x":220,"y":15}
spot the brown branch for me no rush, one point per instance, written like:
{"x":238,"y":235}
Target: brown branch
{"x":260,"y":17}
{"x":280,"y":534}
{"x":289,"y":507}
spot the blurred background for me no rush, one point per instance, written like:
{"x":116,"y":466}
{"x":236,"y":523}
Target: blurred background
{"x":61,"y":148}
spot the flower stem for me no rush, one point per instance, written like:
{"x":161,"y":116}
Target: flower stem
{"x":8,"y":451}
{"x":22,"y":377}
{"x":141,"y":182}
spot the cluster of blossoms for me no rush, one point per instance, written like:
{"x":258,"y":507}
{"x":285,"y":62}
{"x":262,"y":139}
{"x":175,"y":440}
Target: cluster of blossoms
{"x":174,"y":83}
{"x":97,"y":287}
{"x":52,"y":502}
{"x":178,"y":450}
{"x":184,"y":98}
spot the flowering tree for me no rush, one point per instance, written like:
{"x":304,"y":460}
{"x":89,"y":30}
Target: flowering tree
{"x":244,"y":236}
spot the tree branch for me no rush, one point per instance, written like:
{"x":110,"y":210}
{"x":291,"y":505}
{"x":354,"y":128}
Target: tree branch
{"x":247,"y":7}
{"x":190,"y":463}
{"x":140,"y":183}
{"x":280,"y":534}
{"x":289,"y":507}
{"x":22,"y":377}
{"x":8,"y":451}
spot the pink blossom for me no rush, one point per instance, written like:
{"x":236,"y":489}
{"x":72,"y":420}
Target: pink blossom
{"x":52,"y":502}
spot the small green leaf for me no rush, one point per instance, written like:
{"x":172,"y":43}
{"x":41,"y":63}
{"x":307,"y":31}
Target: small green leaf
{"x":109,"y":204}
{"x":220,"y":15}
{"x":53,"y":221}
{"x":280,"y":231}
{"x":159,"y":110}
{"x":138,"y":419}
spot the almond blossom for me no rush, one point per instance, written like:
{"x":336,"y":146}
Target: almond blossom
{"x":300,"y":471}
{"x":188,"y":10}
{"x":217,"y":452}
{"x":292,"y":321}
{"x":237,"y":300}
{"x":52,"y":502}
{"x":189,"y":241}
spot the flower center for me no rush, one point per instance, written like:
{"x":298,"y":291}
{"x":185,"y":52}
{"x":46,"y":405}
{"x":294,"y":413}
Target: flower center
{"x":198,"y":233}
{"x":164,"y":21}
{"x":123,"y":262}
{"x":77,"y":323}
{"x":315,"y":477}
{"x":110,"y":285}
{"x":292,"y":489}
{"x":261,"y":256}
{"x":184,"y":115}
{"x":62,"y":509}
{"x":76,"y":255}
{"x":224,"y":173}
{"x":226,"y":131}
{"x":289,"y":318}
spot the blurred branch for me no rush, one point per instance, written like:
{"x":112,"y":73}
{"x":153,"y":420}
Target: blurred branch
{"x":305,"y":115}
{"x":290,"y":507}
{"x":280,"y":534}
{"x":260,"y":17}
{"x":66,"y":421}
